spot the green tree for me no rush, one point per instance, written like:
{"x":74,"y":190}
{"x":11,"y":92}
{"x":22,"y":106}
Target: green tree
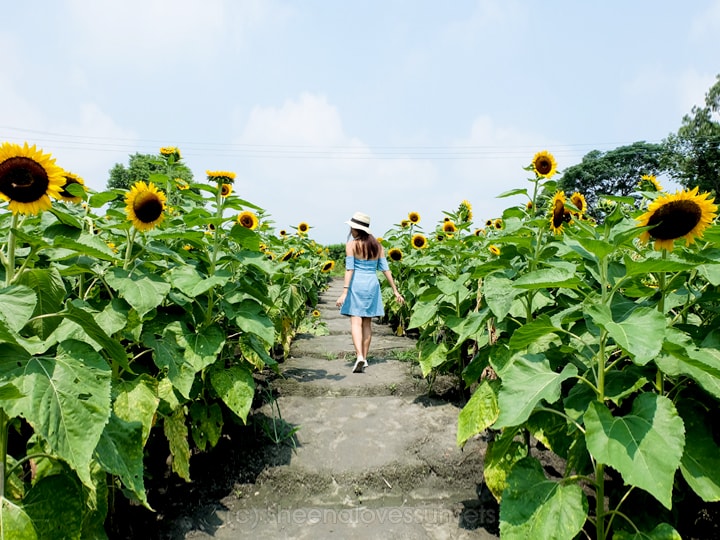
{"x":615,"y":172}
{"x":695,"y":149}
{"x":141,"y":167}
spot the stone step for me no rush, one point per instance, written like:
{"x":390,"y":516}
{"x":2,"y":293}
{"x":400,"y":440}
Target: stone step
{"x":311,"y":376}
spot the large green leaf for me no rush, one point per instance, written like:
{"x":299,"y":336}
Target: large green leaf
{"x":87,"y":244}
{"x":176,"y":432}
{"x":470,"y":326}
{"x":137,"y":400}
{"x":255,"y":351}
{"x":56,"y":506}
{"x":18,"y":303}
{"x":480,"y":412}
{"x":431,"y":355}
{"x":143,"y":291}
{"x":535,"y":507}
{"x":120,"y":452}
{"x":252,"y":317}
{"x":74,"y":312}
{"x":527,"y":381}
{"x":645,"y":446}
{"x":66,"y":399}
{"x":555,"y":277}
{"x":422,"y":313}
{"x":682,"y":357}
{"x":655,"y":263}
{"x":169,"y":355}
{"x":236,"y":387}
{"x":528,"y":333}
{"x":50,"y":292}
{"x":192,"y":283}
{"x":499,"y":294}
{"x":203,"y":345}
{"x":700,"y":464}
{"x":15,"y":522}
{"x":663,"y":531}
{"x":640,"y":331}
{"x":500,"y":457}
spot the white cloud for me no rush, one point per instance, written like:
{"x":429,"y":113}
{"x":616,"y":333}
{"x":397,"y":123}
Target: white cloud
{"x":306,"y":168}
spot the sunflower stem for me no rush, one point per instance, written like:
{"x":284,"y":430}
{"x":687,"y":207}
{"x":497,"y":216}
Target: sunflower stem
{"x":130,"y":234}
{"x":662,"y":285}
{"x":4,"y":425}
{"x":12,"y":242}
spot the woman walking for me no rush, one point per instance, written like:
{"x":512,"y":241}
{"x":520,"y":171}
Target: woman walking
{"x":361,"y":299}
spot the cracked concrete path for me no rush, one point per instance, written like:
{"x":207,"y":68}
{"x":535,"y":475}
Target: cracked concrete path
{"x":373,"y":455}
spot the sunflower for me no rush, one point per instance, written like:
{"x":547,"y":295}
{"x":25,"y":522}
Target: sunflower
{"x":225,"y":190}
{"x":578,"y":201}
{"x":648,"y":182}
{"x":449,"y":227}
{"x":187,"y":247}
{"x":419,"y":241}
{"x":181,"y":184}
{"x":558,"y":214}
{"x":494,"y":249}
{"x":327,"y":266}
{"x":316,"y":314}
{"x":465,"y":211}
{"x":489,"y":223}
{"x":144,"y":206}
{"x":405,"y":223}
{"x":248,"y":219}
{"x":544,"y":164}
{"x":414,"y":217}
{"x":303,"y":228}
{"x":479,"y":232}
{"x":288,"y":255}
{"x":395,"y":254}
{"x":28,"y":178}
{"x":498,"y":223}
{"x":682,"y":215}
{"x":283,"y":232}
{"x":170,"y":152}
{"x":221,"y":177}
{"x":71,"y":179}
{"x":529,"y":205}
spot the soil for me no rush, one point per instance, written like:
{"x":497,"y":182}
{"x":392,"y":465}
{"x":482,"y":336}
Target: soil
{"x":366,"y":455}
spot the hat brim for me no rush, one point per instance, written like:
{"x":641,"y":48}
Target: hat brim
{"x":358,"y":227}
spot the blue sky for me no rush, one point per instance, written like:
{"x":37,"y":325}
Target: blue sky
{"x":326,"y":107}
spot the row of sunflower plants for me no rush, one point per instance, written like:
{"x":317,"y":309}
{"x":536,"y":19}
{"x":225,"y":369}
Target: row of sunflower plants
{"x":126,"y":313}
{"x":575,"y":336}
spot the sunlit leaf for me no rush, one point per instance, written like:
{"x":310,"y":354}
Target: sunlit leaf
{"x":644,"y":446}
{"x":526,"y":382}
{"x":236,"y":387}
{"x":535,"y":507}
{"x":176,"y":433}
{"x":479,"y":413}
{"x":143,"y":291}
{"x":18,"y":303}
{"x":66,"y":399}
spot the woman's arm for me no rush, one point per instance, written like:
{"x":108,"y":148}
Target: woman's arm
{"x":348,"y":274}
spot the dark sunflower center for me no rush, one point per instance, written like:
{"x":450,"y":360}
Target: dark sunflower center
{"x":674,"y":220}
{"x":419,"y":242}
{"x":23,"y":179}
{"x":396,"y":255}
{"x":543,"y":165}
{"x":148,"y":208}
{"x":246,"y":221}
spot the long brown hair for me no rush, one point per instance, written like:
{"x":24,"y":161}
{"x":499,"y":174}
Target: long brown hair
{"x":366,"y":246}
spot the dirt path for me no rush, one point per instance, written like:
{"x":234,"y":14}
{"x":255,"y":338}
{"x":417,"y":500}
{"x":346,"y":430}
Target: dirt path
{"x":373,"y":457}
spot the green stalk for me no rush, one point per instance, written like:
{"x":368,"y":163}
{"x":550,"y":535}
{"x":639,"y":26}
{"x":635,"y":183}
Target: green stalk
{"x":213,"y":255}
{"x":600,"y":467}
{"x":662,"y":284}
{"x":4,"y":425}
{"x":11,"y":243}
{"x":128,"y":249}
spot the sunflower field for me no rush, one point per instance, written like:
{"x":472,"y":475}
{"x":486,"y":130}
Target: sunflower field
{"x":125,"y":313}
{"x":590,"y":334}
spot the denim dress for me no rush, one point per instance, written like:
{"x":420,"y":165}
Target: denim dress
{"x":363,"y":297}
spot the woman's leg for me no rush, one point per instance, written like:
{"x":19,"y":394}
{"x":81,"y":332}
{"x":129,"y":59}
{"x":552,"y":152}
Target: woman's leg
{"x":366,"y":336}
{"x":356,"y":331}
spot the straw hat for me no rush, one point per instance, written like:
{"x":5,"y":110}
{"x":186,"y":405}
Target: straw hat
{"x":360,"y":221}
